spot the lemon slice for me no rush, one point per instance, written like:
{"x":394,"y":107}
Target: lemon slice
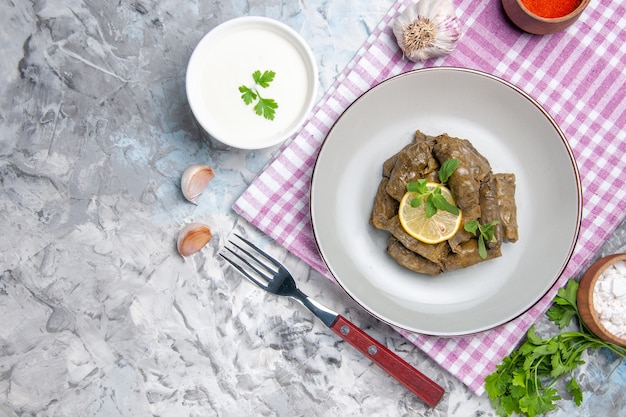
{"x":441,"y":226}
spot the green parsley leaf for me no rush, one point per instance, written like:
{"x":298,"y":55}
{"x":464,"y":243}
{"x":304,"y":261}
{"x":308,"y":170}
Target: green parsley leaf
{"x":417,"y":201}
{"x":564,"y":307}
{"x":471,"y":226}
{"x":265,"y":107}
{"x":532,"y":337}
{"x":567,"y":295}
{"x":519,"y":379}
{"x":248,"y":96}
{"x":482,"y":248}
{"x":574,"y":389}
{"x":558,"y":366}
{"x":485,"y":232}
{"x":264,"y":79}
{"x":447,"y":169}
{"x":420,"y":186}
{"x":440,"y":202}
{"x":496,"y":384}
{"x":560,"y":315}
{"x":539,"y":402}
{"x":431,"y":209}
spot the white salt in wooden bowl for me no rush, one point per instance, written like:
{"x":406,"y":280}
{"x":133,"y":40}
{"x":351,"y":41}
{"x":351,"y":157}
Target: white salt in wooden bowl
{"x":585,"y":298}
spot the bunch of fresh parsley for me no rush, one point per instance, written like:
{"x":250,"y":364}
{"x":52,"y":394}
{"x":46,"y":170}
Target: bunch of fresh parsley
{"x":524,"y":383}
{"x":265,"y":107}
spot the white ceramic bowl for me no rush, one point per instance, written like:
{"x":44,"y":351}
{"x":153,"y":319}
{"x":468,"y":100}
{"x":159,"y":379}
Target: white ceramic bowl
{"x":226,"y":58}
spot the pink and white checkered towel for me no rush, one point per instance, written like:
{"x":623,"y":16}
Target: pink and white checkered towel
{"x":577,"y":75}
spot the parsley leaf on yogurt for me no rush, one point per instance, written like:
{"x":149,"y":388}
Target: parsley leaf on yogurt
{"x":265,"y":107}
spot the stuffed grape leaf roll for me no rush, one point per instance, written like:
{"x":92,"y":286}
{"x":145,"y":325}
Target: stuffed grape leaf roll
{"x":410,"y":259}
{"x":471,"y":171}
{"x":505,"y":191}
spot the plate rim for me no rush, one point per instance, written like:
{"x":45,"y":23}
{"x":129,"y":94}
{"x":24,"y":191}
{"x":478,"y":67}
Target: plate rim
{"x":554,"y":281}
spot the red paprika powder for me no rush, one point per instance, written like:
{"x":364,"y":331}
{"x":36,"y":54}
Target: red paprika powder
{"x":551,"y":8}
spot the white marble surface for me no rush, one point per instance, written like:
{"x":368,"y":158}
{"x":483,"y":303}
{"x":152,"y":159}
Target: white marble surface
{"x":100,"y":316}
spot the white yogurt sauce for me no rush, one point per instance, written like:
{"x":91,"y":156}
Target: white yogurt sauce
{"x":609,"y":299}
{"x":231,"y":63}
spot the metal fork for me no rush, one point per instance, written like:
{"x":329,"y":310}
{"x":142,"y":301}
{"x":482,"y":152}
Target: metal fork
{"x":272,"y":276}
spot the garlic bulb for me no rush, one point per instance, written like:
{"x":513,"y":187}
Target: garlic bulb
{"x":192,"y":238}
{"x":427,"y":29}
{"x":194,"y":180}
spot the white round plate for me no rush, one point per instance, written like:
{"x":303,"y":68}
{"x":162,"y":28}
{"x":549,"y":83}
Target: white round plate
{"x":506,"y":126}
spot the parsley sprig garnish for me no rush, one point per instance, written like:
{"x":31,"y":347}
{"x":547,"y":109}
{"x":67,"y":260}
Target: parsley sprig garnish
{"x":485,"y":232}
{"x":265,"y":107}
{"x":524,"y":383}
{"x":433,"y":199}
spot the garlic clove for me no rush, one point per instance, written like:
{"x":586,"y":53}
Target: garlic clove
{"x":194,"y":180}
{"x":192,"y":238}
{"x":427,"y":29}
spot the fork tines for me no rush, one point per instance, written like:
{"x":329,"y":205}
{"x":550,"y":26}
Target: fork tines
{"x":257,"y":268}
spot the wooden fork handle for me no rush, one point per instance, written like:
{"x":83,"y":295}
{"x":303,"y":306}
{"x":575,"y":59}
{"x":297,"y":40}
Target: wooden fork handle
{"x":418,"y":383}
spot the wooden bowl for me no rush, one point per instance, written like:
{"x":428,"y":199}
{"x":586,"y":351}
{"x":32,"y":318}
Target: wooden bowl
{"x":584,"y":298}
{"x":532,"y":23}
